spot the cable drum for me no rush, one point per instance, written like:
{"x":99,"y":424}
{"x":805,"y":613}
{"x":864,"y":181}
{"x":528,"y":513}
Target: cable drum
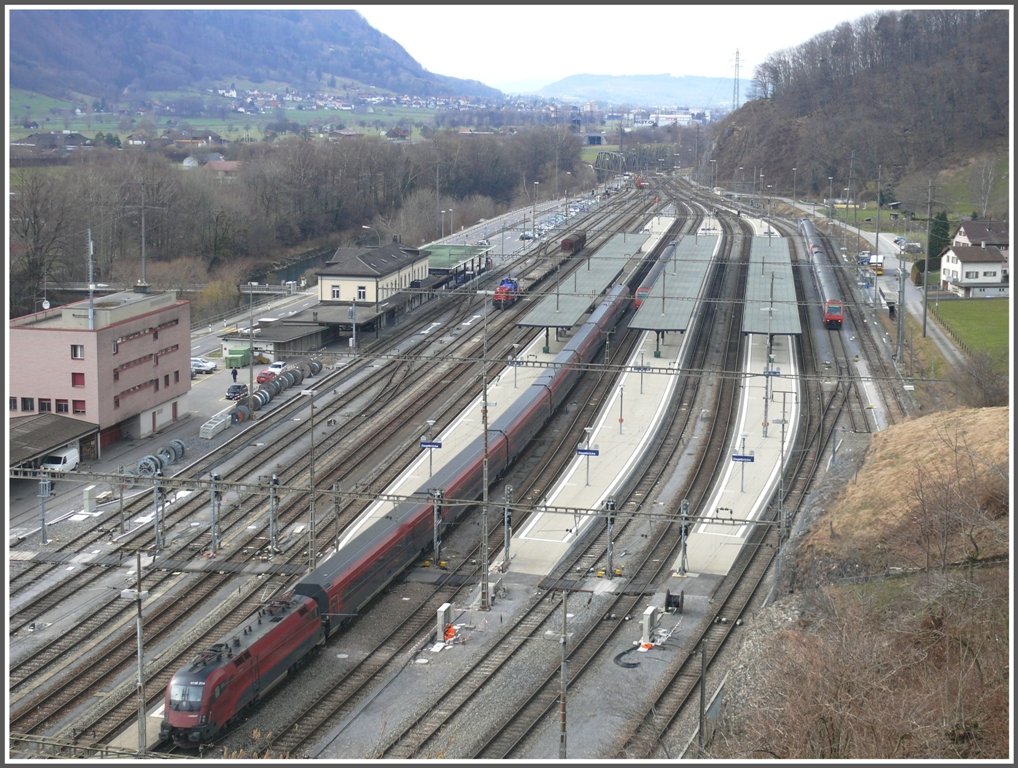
{"x":166,"y":455}
{"x":178,"y":449}
{"x":149,"y":465}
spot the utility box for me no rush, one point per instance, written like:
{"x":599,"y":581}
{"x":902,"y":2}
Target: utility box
{"x":651,"y":618}
{"x":90,"y":494}
{"x":237,"y":358}
{"x":444,"y":617}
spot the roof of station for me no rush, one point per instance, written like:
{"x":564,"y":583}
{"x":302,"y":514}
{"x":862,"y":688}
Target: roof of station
{"x":671,"y":301}
{"x":771,"y":303}
{"x":444,"y":257}
{"x":571,"y":298}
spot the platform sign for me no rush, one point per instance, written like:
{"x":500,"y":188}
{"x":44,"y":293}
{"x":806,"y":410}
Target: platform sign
{"x":587,"y":452}
{"x":431,"y":444}
{"x":741,"y":457}
{"x":773,"y":372}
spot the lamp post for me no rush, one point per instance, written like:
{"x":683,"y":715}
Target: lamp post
{"x":485,"y":596}
{"x":138,"y":595}
{"x":377,"y":236}
{"x":533,"y":224}
{"x":250,"y":352}
{"x":741,"y":182}
{"x":431,"y":449}
{"x":442,"y":219}
{"x":450,"y":223}
{"x":312,"y":554}
{"x":830,"y":201}
{"x":793,"y":187}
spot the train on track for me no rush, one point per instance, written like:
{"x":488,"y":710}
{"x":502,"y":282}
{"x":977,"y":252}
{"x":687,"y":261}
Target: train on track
{"x":213,"y":691}
{"x":647,"y":285}
{"x":574,"y":242}
{"x":831,"y":302}
{"x":506,"y":293}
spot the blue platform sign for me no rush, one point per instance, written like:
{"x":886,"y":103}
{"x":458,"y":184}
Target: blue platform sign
{"x":741,"y":457}
{"x":431,"y":444}
{"x":587,"y":452}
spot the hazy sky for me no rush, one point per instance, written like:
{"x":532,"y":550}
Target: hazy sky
{"x":515,"y":47}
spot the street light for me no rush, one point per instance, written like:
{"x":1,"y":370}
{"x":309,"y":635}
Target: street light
{"x":442,"y":218}
{"x":138,"y":595}
{"x":377,"y":236}
{"x":533,"y":224}
{"x":450,"y":223}
{"x":312,"y":554}
{"x":485,"y":595}
{"x":793,"y":187}
{"x":250,"y":352}
{"x":830,"y":200}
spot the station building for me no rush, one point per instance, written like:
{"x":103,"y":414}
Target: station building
{"x":119,"y":365}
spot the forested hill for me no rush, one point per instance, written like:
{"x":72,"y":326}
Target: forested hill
{"x":106,"y":54}
{"x":908,"y":91}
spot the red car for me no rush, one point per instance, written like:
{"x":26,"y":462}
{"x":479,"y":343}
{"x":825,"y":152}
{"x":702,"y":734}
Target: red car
{"x":265,"y":376}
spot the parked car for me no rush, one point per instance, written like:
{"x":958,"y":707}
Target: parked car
{"x":202,"y":365}
{"x":264,"y":377}
{"x":526,"y":235}
{"x":277,"y":367}
{"x":236,"y":392}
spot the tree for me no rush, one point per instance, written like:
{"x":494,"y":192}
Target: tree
{"x":940,"y":236}
{"x":41,"y":237}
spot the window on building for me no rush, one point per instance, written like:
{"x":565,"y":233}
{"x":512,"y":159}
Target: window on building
{"x":116,"y":375}
{"x":116,"y":346}
{"x":971,"y":275}
{"x":12,"y":403}
{"x":989,"y":274}
{"x":61,"y":406}
{"x":166,"y":380}
{"x":176,"y":377}
{"x":77,"y":351}
{"x":79,"y":407}
{"x":45,"y":405}
{"x":335,"y":292}
{"x":77,"y":379}
{"x":116,"y":401}
{"x":362,"y":293}
{"x":28,"y":404}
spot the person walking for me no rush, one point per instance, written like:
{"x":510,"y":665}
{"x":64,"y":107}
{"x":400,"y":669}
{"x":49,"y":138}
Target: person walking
{"x":234,"y":373}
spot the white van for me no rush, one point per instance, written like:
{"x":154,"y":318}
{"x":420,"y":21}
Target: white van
{"x":63,"y":460}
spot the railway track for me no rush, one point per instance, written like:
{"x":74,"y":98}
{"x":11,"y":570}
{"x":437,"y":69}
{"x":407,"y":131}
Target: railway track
{"x":113,"y":669}
{"x":408,"y":632}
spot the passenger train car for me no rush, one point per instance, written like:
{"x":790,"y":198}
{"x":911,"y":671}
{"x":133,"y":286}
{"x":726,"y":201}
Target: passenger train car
{"x":209,"y":694}
{"x":831,"y":302}
{"x":645,"y":287}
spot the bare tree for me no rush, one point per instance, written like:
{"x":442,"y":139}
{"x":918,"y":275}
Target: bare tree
{"x":42,"y":238}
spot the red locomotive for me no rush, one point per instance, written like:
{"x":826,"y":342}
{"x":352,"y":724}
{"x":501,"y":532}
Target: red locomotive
{"x":507,"y":293}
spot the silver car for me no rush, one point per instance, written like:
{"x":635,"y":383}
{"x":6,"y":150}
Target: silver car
{"x":202,"y":365}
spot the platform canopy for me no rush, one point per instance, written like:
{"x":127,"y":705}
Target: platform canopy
{"x":771,"y":304}
{"x":569,"y":299}
{"x":670,"y":304}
